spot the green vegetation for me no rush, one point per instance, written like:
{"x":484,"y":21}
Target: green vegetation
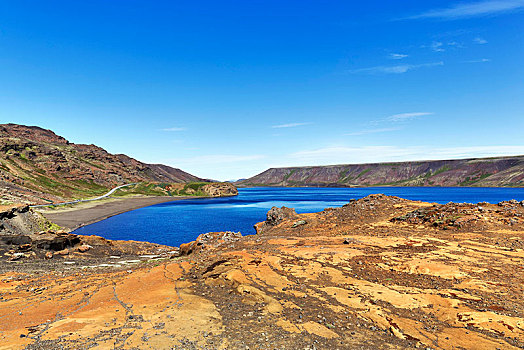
{"x":441,"y":170}
{"x":143,"y":188}
{"x":289,"y":174}
{"x":91,"y":163}
{"x":363,"y":172}
{"x":88,"y":187}
{"x":45,"y":225}
{"x":193,"y":189}
{"x":163,"y":189}
{"x":468,"y":181}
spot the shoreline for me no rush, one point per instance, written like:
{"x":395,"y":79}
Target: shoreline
{"x":88,"y":213}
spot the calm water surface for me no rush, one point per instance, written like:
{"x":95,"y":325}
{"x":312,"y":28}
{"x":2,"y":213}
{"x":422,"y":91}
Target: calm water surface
{"x":182,"y":221}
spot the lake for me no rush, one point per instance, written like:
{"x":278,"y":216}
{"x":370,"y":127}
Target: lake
{"x":182,"y":221}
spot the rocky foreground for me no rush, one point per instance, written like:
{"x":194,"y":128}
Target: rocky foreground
{"x":379,"y":273}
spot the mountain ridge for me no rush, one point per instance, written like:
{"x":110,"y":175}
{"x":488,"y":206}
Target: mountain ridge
{"x":38,"y":166}
{"x":505,"y":171}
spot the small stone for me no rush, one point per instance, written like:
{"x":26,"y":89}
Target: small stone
{"x":17,"y":256}
{"x":299,"y":223}
{"x":24,"y":247}
{"x":48,"y":255}
{"x":84,"y":248}
{"x":62,"y":252}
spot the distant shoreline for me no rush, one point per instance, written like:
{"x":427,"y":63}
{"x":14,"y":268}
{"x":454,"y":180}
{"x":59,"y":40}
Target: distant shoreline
{"x":89,"y":213}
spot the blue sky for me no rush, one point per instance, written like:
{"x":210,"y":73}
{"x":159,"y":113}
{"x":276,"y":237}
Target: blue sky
{"x":227,"y":89}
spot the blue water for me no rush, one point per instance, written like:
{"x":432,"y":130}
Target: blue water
{"x":182,"y":221}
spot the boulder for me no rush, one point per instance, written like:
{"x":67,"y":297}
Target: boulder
{"x":208,"y":240}
{"x":274,"y":217}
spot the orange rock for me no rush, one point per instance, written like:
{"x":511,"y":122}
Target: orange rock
{"x":62,"y":252}
{"x":84,"y":248}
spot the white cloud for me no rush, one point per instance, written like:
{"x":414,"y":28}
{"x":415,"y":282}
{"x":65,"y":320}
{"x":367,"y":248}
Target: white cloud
{"x":373,"y":154}
{"x":397,"y":56}
{"x":472,"y":9}
{"x":371,"y":131}
{"x":290,"y":125}
{"x":455,"y":44}
{"x":481,"y":60}
{"x":406,"y":116}
{"x":480,"y":40}
{"x":174,"y":129}
{"x":437,"y":46}
{"x":398,"y":69}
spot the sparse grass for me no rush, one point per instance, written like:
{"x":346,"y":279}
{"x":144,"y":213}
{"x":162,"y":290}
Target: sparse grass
{"x":363,"y":172}
{"x":472,"y":180}
{"x":89,"y":187}
{"x":45,"y":225}
{"x":289,"y":174}
{"x":441,"y":170}
{"x":163,"y":189}
{"x":24,"y":158}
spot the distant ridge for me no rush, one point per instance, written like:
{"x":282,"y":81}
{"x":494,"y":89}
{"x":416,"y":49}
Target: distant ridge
{"x":480,"y":172}
{"x":38,"y":166}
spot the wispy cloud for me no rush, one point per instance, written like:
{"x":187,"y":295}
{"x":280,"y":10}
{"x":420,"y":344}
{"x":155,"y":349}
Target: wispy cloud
{"x":481,"y":60}
{"x":370,"y":154}
{"x":480,"y":40}
{"x":174,"y":129}
{"x":217,"y":159}
{"x":455,"y":44}
{"x":472,"y":9}
{"x":437,"y":46}
{"x":397,"y":69}
{"x":371,"y":131}
{"x":397,"y":56}
{"x":290,"y":125}
{"x":406,"y":116}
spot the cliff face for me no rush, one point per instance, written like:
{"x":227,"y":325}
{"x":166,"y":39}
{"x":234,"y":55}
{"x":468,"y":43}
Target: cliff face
{"x":36,"y":166}
{"x":489,"y":172}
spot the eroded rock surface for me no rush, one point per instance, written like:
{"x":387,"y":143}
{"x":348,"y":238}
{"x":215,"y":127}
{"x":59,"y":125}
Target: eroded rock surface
{"x":378,"y":273}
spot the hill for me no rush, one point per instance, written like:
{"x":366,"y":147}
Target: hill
{"x":489,"y":172}
{"x":38,"y":166}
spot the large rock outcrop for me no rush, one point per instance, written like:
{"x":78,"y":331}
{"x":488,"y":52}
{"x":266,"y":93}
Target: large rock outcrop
{"x":220,"y":189}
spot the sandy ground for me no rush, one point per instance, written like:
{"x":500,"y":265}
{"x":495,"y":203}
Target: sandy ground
{"x":73,"y":217}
